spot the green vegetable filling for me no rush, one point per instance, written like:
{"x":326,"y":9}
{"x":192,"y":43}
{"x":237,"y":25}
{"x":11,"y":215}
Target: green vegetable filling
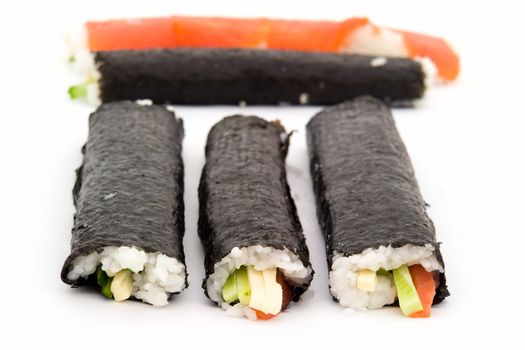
{"x":229,"y":290}
{"x":383,"y":272}
{"x":237,"y":287}
{"x":104,"y":281}
{"x":78,"y":91}
{"x":243,"y":286}
{"x":409,"y":301}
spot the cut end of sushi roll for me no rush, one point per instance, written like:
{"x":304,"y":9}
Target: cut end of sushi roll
{"x":370,"y":39}
{"x":124,"y":272}
{"x":266,"y":260}
{"x":82,"y":62}
{"x":346,"y":282}
{"x":87,"y":91}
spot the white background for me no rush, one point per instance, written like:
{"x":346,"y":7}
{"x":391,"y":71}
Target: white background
{"x":466,"y":142}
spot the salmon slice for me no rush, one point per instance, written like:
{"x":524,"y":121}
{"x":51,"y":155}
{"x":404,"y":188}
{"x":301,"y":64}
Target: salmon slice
{"x":146,"y":33}
{"x":323,"y":36}
{"x":426,"y":288}
{"x":219,"y":32}
{"x":437,"y":49}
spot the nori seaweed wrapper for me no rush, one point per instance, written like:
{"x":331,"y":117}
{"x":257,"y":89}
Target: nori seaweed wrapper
{"x":129,"y":189}
{"x":229,"y":76}
{"x":367,"y":194}
{"x":244,"y":197}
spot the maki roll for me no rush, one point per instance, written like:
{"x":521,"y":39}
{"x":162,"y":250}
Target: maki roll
{"x":256,"y":258}
{"x":129,"y":222}
{"x":352,"y":35}
{"x":248,"y":76}
{"x":380,"y":243}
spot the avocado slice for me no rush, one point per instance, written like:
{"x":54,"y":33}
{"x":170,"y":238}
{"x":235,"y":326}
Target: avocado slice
{"x":104,"y":281}
{"x":383,"y":272}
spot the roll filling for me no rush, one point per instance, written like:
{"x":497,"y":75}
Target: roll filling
{"x":150,"y":277}
{"x":285,"y":267}
{"x":366,"y":281}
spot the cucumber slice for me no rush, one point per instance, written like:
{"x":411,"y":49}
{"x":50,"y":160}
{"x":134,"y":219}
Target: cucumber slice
{"x":78,"y":91}
{"x":229,"y":289}
{"x":243,"y":286}
{"x":409,"y":301}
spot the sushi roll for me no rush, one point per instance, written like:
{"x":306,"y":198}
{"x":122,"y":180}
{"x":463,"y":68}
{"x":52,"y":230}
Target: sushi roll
{"x":237,"y":76}
{"x":256,"y":258}
{"x":129,"y":222}
{"x":380,"y":243}
{"x":353,"y":35}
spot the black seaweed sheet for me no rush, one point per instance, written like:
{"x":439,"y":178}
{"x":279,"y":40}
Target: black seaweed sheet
{"x":367,"y":194}
{"x":229,"y":76}
{"x":129,"y":189}
{"x":244,"y":197}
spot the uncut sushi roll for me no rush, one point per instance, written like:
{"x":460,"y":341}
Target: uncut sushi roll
{"x":129,"y":222}
{"x":353,"y":35}
{"x":380,"y":243}
{"x":256,"y":258}
{"x":247,"y":76}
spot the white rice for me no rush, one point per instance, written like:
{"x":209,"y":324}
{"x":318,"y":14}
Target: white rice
{"x":374,"y":41}
{"x":371,"y":40}
{"x":146,"y":102}
{"x":93,"y":93}
{"x":430,"y":70}
{"x":343,"y":274}
{"x":378,"y":61}
{"x":261,"y":258}
{"x":155,"y":275}
{"x":304,"y":98}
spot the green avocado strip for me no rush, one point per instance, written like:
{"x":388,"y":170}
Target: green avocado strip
{"x":383,"y":272}
{"x":104,"y":281}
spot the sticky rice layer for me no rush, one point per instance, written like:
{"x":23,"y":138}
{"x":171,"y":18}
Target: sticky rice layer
{"x":155,"y":275}
{"x":343,"y":274}
{"x":261,"y":258}
{"x":371,"y":40}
